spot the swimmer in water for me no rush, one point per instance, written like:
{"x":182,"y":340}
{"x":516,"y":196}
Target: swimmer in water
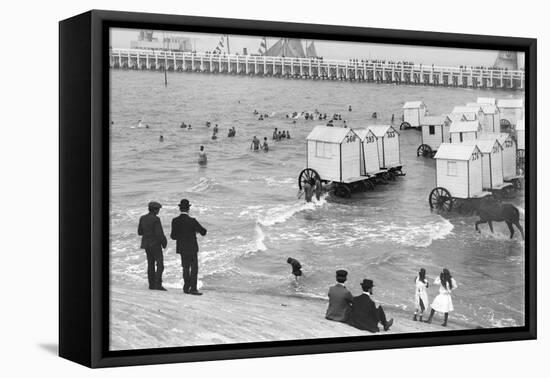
{"x":265,"y":147}
{"x":296,"y":267}
{"x":161,"y":139}
{"x":202,"y":156}
{"x":146,"y":126}
{"x":183,"y":125}
{"x":275,"y":134}
{"x":349,"y":108}
{"x":255,"y":145}
{"x":216,"y":129}
{"x":139,"y":125}
{"x":287,"y":135}
{"x":318,"y":188}
{"x":308,"y":191}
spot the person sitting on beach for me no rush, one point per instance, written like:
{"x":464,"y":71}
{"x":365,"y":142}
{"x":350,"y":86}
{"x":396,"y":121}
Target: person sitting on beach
{"x":255,"y":145}
{"x":420,"y":294}
{"x":265,"y":147}
{"x":202,"y":156}
{"x":275,"y":134}
{"x":287,"y":135}
{"x":296,"y":267}
{"x":339,"y":299}
{"x":364,"y":313}
{"x":443,"y":302}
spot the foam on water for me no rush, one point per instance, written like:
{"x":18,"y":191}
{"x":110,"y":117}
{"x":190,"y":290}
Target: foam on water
{"x":282,"y":213}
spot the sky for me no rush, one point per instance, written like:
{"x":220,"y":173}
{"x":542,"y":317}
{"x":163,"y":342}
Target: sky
{"x":120,"y":38}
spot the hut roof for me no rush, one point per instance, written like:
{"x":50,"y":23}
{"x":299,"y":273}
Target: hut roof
{"x":329,"y":134}
{"x":455,"y":151}
{"x":434,"y":120}
{"x":457,"y":117}
{"x":464,"y":126}
{"x":486,"y":145}
{"x":487,"y":100}
{"x":363,"y":133}
{"x":510,"y":103}
{"x":487,"y":108}
{"x":520,"y":125}
{"x":380,"y":130}
{"x":467,"y":109}
{"x":501,"y":137}
{"x":413,"y":104}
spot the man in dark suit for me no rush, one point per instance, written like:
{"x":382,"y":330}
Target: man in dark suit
{"x":364,"y":313}
{"x":153,"y":241}
{"x":339,"y":299}
{"x":184,"y":231}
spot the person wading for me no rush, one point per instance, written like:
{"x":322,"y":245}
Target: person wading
{"x":184,"y":232}
{"x":153,"y":241}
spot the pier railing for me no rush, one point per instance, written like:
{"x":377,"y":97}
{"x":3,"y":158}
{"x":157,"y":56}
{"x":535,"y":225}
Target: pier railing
{"x":318,"y":69}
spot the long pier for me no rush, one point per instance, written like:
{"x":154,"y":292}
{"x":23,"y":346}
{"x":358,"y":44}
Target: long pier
{"x":317,"y":69}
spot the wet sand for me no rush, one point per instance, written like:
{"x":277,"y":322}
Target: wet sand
{"x":142,"y":318}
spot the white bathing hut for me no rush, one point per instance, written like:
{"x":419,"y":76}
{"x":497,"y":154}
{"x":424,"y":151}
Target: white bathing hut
{"x":457,"y":117}
{"x":464,"y":131}
{"x":520,"y":134}
{"x":436,"y":130}
{"x":458,"y":169}
{"x":388,"y":145}
{"x":413,"y":112}
{"x":370,"y":162}
{"x":490,"y":121}
{"x":335,"y":153}
{"x":511,"y":111}
{"x":509,"y":152}
{"x":491,"y":163}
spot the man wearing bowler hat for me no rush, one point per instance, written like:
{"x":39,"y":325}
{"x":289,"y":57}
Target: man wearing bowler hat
{"x":339,"y":299}
{"x":184,"y":232}
{"x":153,"y":241}
{"x":364,"y":313}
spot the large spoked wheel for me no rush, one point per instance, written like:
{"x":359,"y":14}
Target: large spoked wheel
{"x":308,"y":175}
{"x":505,"y":125}
{"x":368,"y":185}
{"x":342,"y":191}
{"x":424,"y":150}
{"x":441,"y":199}
{"x":404,"y":125}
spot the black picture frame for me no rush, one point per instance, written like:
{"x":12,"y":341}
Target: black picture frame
{"x":84,"y":194}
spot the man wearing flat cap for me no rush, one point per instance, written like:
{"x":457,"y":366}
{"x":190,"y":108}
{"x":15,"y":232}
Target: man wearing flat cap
{"x":184,"y":232}
{"x":153,"y":241}
{"x":339,"y":299}
{"x":364,"y":313}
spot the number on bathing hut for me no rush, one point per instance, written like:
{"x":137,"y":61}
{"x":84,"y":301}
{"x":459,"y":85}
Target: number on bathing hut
{"x":391,"y":134}
{"x":350,"y":138}
{"x":369,"y":139}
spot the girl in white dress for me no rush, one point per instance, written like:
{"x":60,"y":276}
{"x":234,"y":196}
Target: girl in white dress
{"x":443,"y":302}
{"x":420,"y":294}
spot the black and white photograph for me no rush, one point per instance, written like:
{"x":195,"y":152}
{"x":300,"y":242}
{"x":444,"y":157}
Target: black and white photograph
{"x":265,"y":188}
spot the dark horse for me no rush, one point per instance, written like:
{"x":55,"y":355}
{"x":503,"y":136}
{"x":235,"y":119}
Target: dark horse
{"x":493,"y":211}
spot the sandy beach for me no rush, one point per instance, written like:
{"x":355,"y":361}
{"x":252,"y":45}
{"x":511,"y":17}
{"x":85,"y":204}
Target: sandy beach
{"x":141,"y":318}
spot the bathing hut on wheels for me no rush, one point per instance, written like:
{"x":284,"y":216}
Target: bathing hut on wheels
{"x":509,"y":153}
{"x":464,"y":131}
{"x":435,"y":130}
{"x":491,"y":164}
{"x":333,"y":155}
{"x":486,"y":101}
{"x":387,"y":139}
{"x":413,"y":113}
{"x":520,"y":138}
{"x":458,"y":176}
{"x":471,"y":113}
{"x":511,"y":111}
{"x":490,"y":121}
{"x":370,"y":162}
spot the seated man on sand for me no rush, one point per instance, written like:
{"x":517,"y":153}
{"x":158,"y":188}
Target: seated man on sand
{"x":339,"y":299}
{"x":364,"y":313}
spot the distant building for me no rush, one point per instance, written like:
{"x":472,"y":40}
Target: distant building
{"x":146,"y":41}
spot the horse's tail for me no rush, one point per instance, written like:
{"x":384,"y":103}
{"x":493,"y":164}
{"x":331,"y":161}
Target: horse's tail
{"x":515,"y":214}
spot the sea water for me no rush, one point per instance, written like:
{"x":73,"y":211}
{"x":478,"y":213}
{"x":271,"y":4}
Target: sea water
{"x":249,"y":201}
